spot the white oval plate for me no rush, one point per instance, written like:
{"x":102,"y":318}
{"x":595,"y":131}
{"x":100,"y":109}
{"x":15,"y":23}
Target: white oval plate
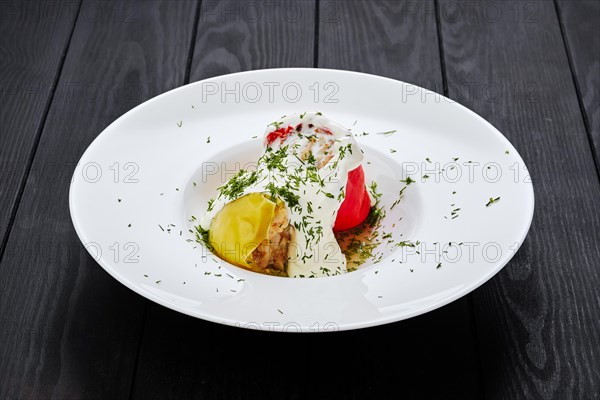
{"x":138,"y":184}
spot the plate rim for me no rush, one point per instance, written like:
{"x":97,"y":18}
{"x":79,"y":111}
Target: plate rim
{"x":385,"y":319}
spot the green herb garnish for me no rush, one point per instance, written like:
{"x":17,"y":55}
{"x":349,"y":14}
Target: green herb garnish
{"x":237,"y":184}
{"x":492,"y":201}
{"x":202,"y":237}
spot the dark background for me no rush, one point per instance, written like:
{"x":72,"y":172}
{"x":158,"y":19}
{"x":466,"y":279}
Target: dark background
{"x":70,"y":68}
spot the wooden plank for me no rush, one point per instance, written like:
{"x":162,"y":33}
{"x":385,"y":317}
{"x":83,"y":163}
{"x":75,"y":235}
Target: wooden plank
{"x":194,"y":359}
{"x":185,"y":358}
{"x":393,"y":39}
{"x":69,"y":330}
{"x":33,"y":41}
{"x":581,"y":30}
{"x":399,"y":40}
{"x":235,"y":36}
{"x":537,"y":320}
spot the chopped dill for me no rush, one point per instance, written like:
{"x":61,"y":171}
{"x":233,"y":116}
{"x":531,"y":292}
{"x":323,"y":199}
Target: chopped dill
{"x":237,"y":184}
{"x":492,"y":201}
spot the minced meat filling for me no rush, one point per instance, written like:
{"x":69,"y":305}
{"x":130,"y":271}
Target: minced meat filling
{"x":272,"y":253}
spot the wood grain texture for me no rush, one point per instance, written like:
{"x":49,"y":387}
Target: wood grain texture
{"x":33,"y":41}
{"x":238,"y":36}
{"x":187,"y":358}
{"x":537,"y":320}
{"x":69,"y":330}
{"x":388,"y":38}
{"x":581,"y":24}
{"x":399,"y":40}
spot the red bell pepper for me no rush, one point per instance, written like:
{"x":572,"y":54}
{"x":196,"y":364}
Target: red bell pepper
{"x":356,"y":205}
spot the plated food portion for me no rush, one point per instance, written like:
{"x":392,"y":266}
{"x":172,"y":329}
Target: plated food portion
{"x":281,"y":218}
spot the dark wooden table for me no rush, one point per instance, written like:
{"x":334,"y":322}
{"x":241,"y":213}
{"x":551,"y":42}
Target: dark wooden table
{"x":70,"y":68}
